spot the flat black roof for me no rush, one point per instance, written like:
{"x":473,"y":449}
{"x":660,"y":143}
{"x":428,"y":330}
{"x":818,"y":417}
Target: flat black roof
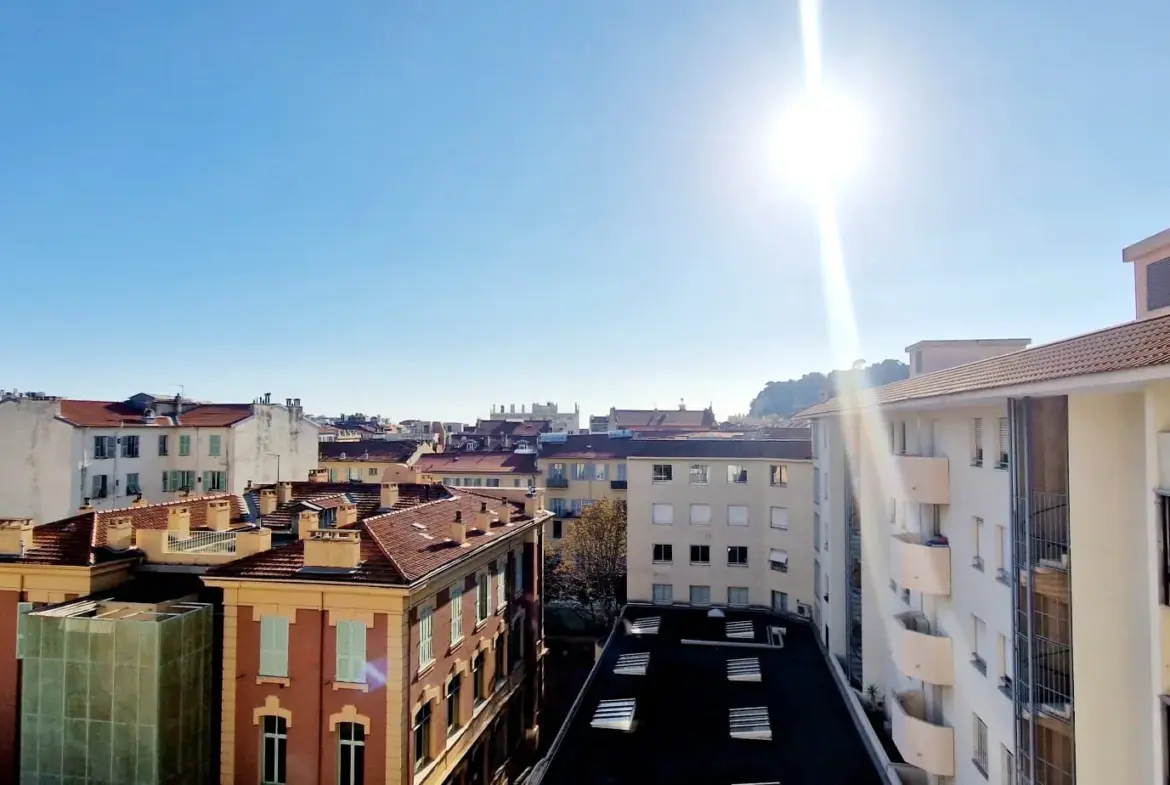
{"x":681,"y":730}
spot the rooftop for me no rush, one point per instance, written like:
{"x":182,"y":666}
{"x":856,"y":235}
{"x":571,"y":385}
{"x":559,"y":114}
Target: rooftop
{"x":586,"y":445}
{"x":687,"y":702}
{"x":1129,"y":346}
{"x":495,"y":462}
{"x":665,"y":419}
{"x":100,"y":414}
{"x":773,"y":449}
{"x":397,"y":451}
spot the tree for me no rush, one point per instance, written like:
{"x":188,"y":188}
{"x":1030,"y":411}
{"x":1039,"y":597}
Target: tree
{"x":593,"y":559}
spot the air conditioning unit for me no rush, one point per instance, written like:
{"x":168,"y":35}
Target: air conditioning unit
{"x":803,"y":610}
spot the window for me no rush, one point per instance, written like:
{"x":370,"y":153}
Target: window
{"x":579,"y":471}
{"x":493,"y":482}
{"x":178,"y":480}
{"x":737,"y":556}
{"x":355,"y":474}
{"x":737,"y":515}
{"x":557,"y":506}
{"x":133,"y":486}
{"x":516,"y":482}
{"x":453,"y":689}
{"x":780,"y":601}
{"x":778,"y":560}
{"x":518,"y":577}
{"x":700,"y":514}
{"x":778,"y":519}
{"x":213,"y":445}
{"x":501,"y":583}
{"x":1000,"y":548}
{"x":371,"y":472}
{"x":499,"y":660}
{"x":481,"y":597}
{"x":351,"y":753}
{"x":737,"y":595}
{"x":663,"y":553}
{"x":778,"y":474}
{"x":274,"y":757}
{"x":558,"y":529}
{"x":163,"y":447}
{"x":977,"y":442}
{"x":274,"y":646}
{"x":662,"y":514}
{"x":556,"y":471}
{"x":100,"y":487}
{"x":184,"y":445}
{"x":601,"y":472}
{"x":351,"y":652}
{"x":976,"y":536}
{"x":663,"y":592}
{"x":980,"y":759}
{"x":426,"y":642}
{"x":333,"y":475}
{"x":456,"y":605}
{"x":1004,"y":444}
{"x":902,"y":437}
{"x":129,"y":446}
{"x":700,"y":595}
{"x":575,"y":507}
{"x":1007,"y":775}
{"x":422,"y":736}
{"x":816,"y":528}
{"x":700,"y":474}
{"x":663,"y":472}
{"x":621,"y":472}
{"x":1001,"y":655}
{"x":214,"y":481}
{"x":737,"y":473}
{"x":816,"y":484}
{"x":478,"y":688}
{"x":891,"y":436}
{"x":103,"y":447}
{"x":700,"y":554}
{"x":978,"y":641}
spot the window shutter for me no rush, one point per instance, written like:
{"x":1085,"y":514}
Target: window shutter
{"x":1004,"y":440}
{"x":274,"y":646}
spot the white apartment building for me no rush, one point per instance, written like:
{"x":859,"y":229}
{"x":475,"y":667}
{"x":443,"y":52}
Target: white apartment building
{"x":559,"y":422}
{"x":56,"y":453}
{"x":720,"y":522}
{"x":970,"y":494}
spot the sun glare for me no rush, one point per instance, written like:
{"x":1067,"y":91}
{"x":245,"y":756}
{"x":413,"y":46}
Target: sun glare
{"x":820,"y":138}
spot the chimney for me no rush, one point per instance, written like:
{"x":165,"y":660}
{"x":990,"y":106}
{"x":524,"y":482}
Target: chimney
{"x":347,"y":514}
{"x":16,"y":536}
{"x":85,"y":505}
{"x":120,"y":533}
{"x":389,"y":495}
{"x":318,"y":475}
{"x":533,"y":502}
{"x":179,"y":519}
{"x":283,"y":492}
{"x":459,"y":529}
{"x":505,"y":513}
{"x":483,"y":518}
{"x":267,"y":500}
{"x":138,"y":501}
{"x":219,"y":515}
{"x":682,"y":405}
{"x":307,"y":521}
{"x":338,"y":549}
{"x":513,"y":411}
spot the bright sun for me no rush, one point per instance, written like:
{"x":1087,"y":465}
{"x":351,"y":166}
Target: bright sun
{"x":819,"y":139}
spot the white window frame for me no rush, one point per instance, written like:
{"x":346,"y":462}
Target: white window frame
{"x":279,"y":741}
{"x":455,"y":602}
{"x":735,"y":471}
{"x":1003,"y":458}
{"x":703,"y":509}
{"x":351,"y":652}
{"x":601,"y":471}
{"x":662,"y":472}
{"x":743,"y":563}
{"x":426,"y":635}
{"x":347,"y":749}
{"x":781,"y":470}
{"x":662,"y":593}
{"x":783,"y":524}
{"x":274,"y":646}
{"x":977,"y":442}
{"x":745,"y":594}
{"x":703,"y":563}
{"x":706,"y":601}
{"x":482,"y":600}
{"x":666,"y":519}
{"x":502,"y":584}
{"x":746,"y":518}
{"x":699,"y":474}
{"x":580,"y":471}
{"x":669,"y":554}
{"x":979,"y":743}
{"x":778,"y":560}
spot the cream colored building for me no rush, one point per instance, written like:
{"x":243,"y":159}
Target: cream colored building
{"x":577,"y":470}
{"x":969,"y":488}
{"x":370,"y":461}
{"x":721,"y":522}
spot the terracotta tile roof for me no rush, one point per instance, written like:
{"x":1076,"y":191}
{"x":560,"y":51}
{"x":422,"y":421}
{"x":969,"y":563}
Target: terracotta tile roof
{"x":496,"y":462}
{"x":80,"y":540}
{"x":634,"y":419}
{"x":367,"y":497}
{"x":391,"y":451}
{"x":398,"y":547}
{"x":99,"y":414}
{"x":1132,"y":345}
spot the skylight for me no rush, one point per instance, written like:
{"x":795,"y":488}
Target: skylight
{"x":750,"y":723}
{"x":740,"y":629}
{"x":617,"y":715}
{"x":776,"y":636}
{"x":632,"y":664}
{"x":746,"y":669}
{"x":646,"y":626}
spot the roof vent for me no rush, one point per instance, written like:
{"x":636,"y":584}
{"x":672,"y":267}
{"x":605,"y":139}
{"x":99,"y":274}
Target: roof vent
{"x":633,"y":664}
{"x":747,"y":669}
{"x":715,"y":613}
{"x":619,"y":715}
{"x":740,"y":629}
{"x":750,"y":723}
{"x":647,"y":625}
{"x":776,"y":636}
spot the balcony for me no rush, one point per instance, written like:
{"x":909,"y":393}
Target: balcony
{"x":925,"y":480}
{"x":920,"y":653}
{"x":921,"y":563}
{"x":923,"y":743}
{"x":617,"y":485}
{"x":556,"y":482}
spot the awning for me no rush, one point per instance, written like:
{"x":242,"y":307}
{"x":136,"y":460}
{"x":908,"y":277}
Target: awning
{"x":779,"y":557}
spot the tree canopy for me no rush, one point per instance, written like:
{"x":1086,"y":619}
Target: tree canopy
{"x":789,"y":397}
{"x":592,"y":568}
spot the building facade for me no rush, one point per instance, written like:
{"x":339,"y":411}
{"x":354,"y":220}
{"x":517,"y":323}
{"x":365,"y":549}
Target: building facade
{"x":559,"y":422}
{"x":495,"y":469}
{"x":58,"y":454}
{"x":578,"y":470}
{"x":369,"y":461}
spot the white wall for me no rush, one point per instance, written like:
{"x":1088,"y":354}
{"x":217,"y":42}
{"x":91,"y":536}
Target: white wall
{"x":38,"y":462}
{"x":273,"y":429}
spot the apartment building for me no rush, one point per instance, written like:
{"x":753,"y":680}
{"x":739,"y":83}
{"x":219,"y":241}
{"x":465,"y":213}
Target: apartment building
{"x":721,"y":521}
{"x":580,"y":469}
{"x":57,"y":454}
{"x":496,"y":469}
{"x":368,"y":461}
{"x":660,"y":421}
{"x":491,"y":435}
{"x":404,"y":648}
{"x":559,"y":422}
{"x":968,"y":487}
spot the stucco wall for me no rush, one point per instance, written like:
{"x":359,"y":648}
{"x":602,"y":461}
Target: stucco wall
{"x":273,"y":430}
{"x":39,"y":462}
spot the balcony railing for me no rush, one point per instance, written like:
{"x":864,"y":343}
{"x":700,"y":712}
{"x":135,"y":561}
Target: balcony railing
{"x":201,"y":547}
{"x":921,"y":653}
{"x":556,"y":482}
{"x":923,"y":743}
{"x":202,"y":542}
{"x":921,"y":563}
{"x":925,"y":480}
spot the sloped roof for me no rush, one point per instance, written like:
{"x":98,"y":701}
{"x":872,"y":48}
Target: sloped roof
{"x":99,"y":414}
{"x":495,"y":462}
{"x":1139,"y":344}
{"x":634,"y":419}
{"x":586,"y":445}
{"x":392,"y":451}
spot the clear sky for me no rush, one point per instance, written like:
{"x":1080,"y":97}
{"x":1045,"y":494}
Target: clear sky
{"x":423,"y":208}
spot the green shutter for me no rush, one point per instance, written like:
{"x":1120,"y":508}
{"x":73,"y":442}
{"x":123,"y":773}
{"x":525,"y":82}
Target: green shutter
{"x":274,"y":646}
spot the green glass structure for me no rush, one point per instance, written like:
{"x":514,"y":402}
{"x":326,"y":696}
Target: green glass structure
{"x":118,"y":693}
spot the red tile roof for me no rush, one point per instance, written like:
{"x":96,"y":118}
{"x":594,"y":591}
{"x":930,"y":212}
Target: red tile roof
{"x":495,"y":462}
{"x":1129,"y":346}
{"x":99,"y":414}
{"x":394,"y":451}
{"x":398,"y":547}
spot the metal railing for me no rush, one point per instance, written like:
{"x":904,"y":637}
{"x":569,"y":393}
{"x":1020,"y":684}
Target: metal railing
{"x":202,"y":542}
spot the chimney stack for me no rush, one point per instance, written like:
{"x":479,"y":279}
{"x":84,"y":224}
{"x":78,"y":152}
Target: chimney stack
{"x":267,"y":500}
{"x":346,"y":515}
{"x":533,"y":502}
{"x":283,"y":492}
{"x":179,"y":519}
{"x":483,"y":518}
{"x":319,"y":475}
{"x":389,"y":495}
{"x":333,"y":548}
{"x":307,"y":521}
{"x":459,"y":529}
{"x":120,"y":533}
{"x":219,"y":515}
{"x":16,"y":536}
{"x":505,"y":513}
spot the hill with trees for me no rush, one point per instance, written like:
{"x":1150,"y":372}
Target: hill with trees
{"x":784,"y":399}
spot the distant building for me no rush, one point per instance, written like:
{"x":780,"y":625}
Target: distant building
{"x":598,"y":423}
{"x":578,"y":470}
{"x":662,"y":420}
{"x":370,"y":460}
{"x":566,"y":422}
{"x":498,"y":469}
{"x":57,"y":454}
{"x":499,"y":435}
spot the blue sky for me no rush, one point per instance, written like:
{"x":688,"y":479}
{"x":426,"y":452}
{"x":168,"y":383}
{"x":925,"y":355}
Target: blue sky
{"x":421,"y":209}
